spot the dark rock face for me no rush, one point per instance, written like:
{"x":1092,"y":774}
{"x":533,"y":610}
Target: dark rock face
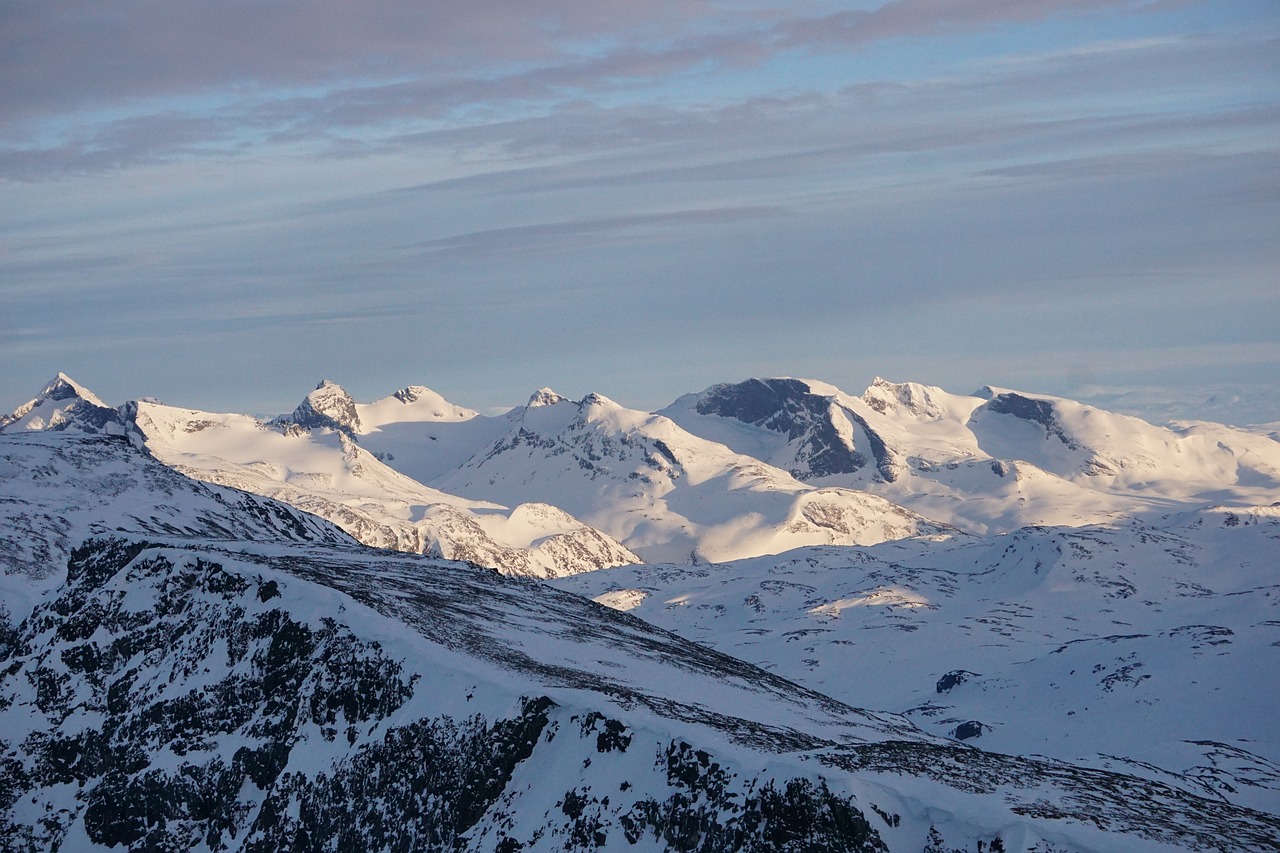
{"x":421,"y":788}
{"x":183,"y":703}
{"x":954,"y":678}
{"x":102,"y":658}
{"x":175,"y":698}
{"x":327,"y":407}
{"x":967,"y":730}
{"x":708,"y":813}
{"x":789,"y":407}
{"x":1036,"y":411}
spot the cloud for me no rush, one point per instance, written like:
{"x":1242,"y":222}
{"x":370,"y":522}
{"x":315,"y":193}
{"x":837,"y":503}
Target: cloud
{"x":68,"y":55}
{"x":383,"y":59}
{"x":545,"y":237}
{"x":904,"y":18}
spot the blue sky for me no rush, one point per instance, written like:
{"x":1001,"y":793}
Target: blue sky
{"x":220,"y":203}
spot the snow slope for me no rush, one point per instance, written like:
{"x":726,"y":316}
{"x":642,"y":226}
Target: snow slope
{"x":1152,"y":647}
{"x":423,"y":435}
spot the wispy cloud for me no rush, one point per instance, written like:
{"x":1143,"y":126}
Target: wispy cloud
{"x":545,"y":237}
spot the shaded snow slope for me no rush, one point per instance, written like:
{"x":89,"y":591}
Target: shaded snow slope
{"x":1149,"y":647}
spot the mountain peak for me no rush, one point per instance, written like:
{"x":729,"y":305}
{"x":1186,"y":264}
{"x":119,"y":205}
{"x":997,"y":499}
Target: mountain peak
{"x":62,"y":404}
{"x":755,"y":401}
{"x":595,"y":399}
{"x":412,"y":393}
{"x":63,"y":387}
{"x":545,"y":397}
{"x":328,"y":406}
{"x":909,"y":397}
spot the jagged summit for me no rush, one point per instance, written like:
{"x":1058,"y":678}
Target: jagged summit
{"x":328,"y":406}
{"x":911,"y":398}
{"x":595,"y":400}
{"x":412,"y":393}
{"x":63,"y":404}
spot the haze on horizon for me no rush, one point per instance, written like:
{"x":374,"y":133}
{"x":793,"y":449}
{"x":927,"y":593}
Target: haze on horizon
{"x":220,"y":203}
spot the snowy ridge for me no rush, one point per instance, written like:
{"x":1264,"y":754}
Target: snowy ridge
{"x":58,"y":488}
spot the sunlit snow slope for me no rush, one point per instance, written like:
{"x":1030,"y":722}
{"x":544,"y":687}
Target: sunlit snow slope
{"x":990,"y":462}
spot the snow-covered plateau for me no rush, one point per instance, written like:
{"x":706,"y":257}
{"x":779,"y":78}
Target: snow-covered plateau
{"x":910,"y":620}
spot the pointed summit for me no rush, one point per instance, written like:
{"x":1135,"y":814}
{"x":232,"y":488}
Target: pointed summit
{"x":63,"y":404}
{"x":63,"y":387}
{"x":329,"y":406}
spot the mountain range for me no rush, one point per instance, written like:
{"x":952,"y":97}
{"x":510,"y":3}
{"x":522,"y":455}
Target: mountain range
{"x":369,"y":625}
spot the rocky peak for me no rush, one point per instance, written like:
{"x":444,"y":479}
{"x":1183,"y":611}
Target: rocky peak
{"x":411,"y":394}
{"x":762,"y":402}
{"x":328,"y":406}
{"x":908,"y":397}
{"x":63,"y":404}
{"x":593,"y":400}
{"x":1032,"y":409}
{"x":792,"y":408}
{"x":63,"y":387}
{"x":545,"y":397}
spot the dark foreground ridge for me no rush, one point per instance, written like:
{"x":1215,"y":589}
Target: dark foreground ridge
{"x":285,"y":698}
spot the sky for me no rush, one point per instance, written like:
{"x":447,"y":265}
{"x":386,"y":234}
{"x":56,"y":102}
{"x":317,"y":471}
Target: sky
{"x":219,"y":203}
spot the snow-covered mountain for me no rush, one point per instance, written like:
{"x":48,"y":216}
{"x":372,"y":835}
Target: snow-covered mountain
{"x":664,"y":493}
{"x":185,"y":666}
{"x":990,"y":462}
{"x":311,"y":460}
{"x":64,"y":404}
{"x":1148,"y":647}
{"x":314,"y":462}
{"x":559,"y":486}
